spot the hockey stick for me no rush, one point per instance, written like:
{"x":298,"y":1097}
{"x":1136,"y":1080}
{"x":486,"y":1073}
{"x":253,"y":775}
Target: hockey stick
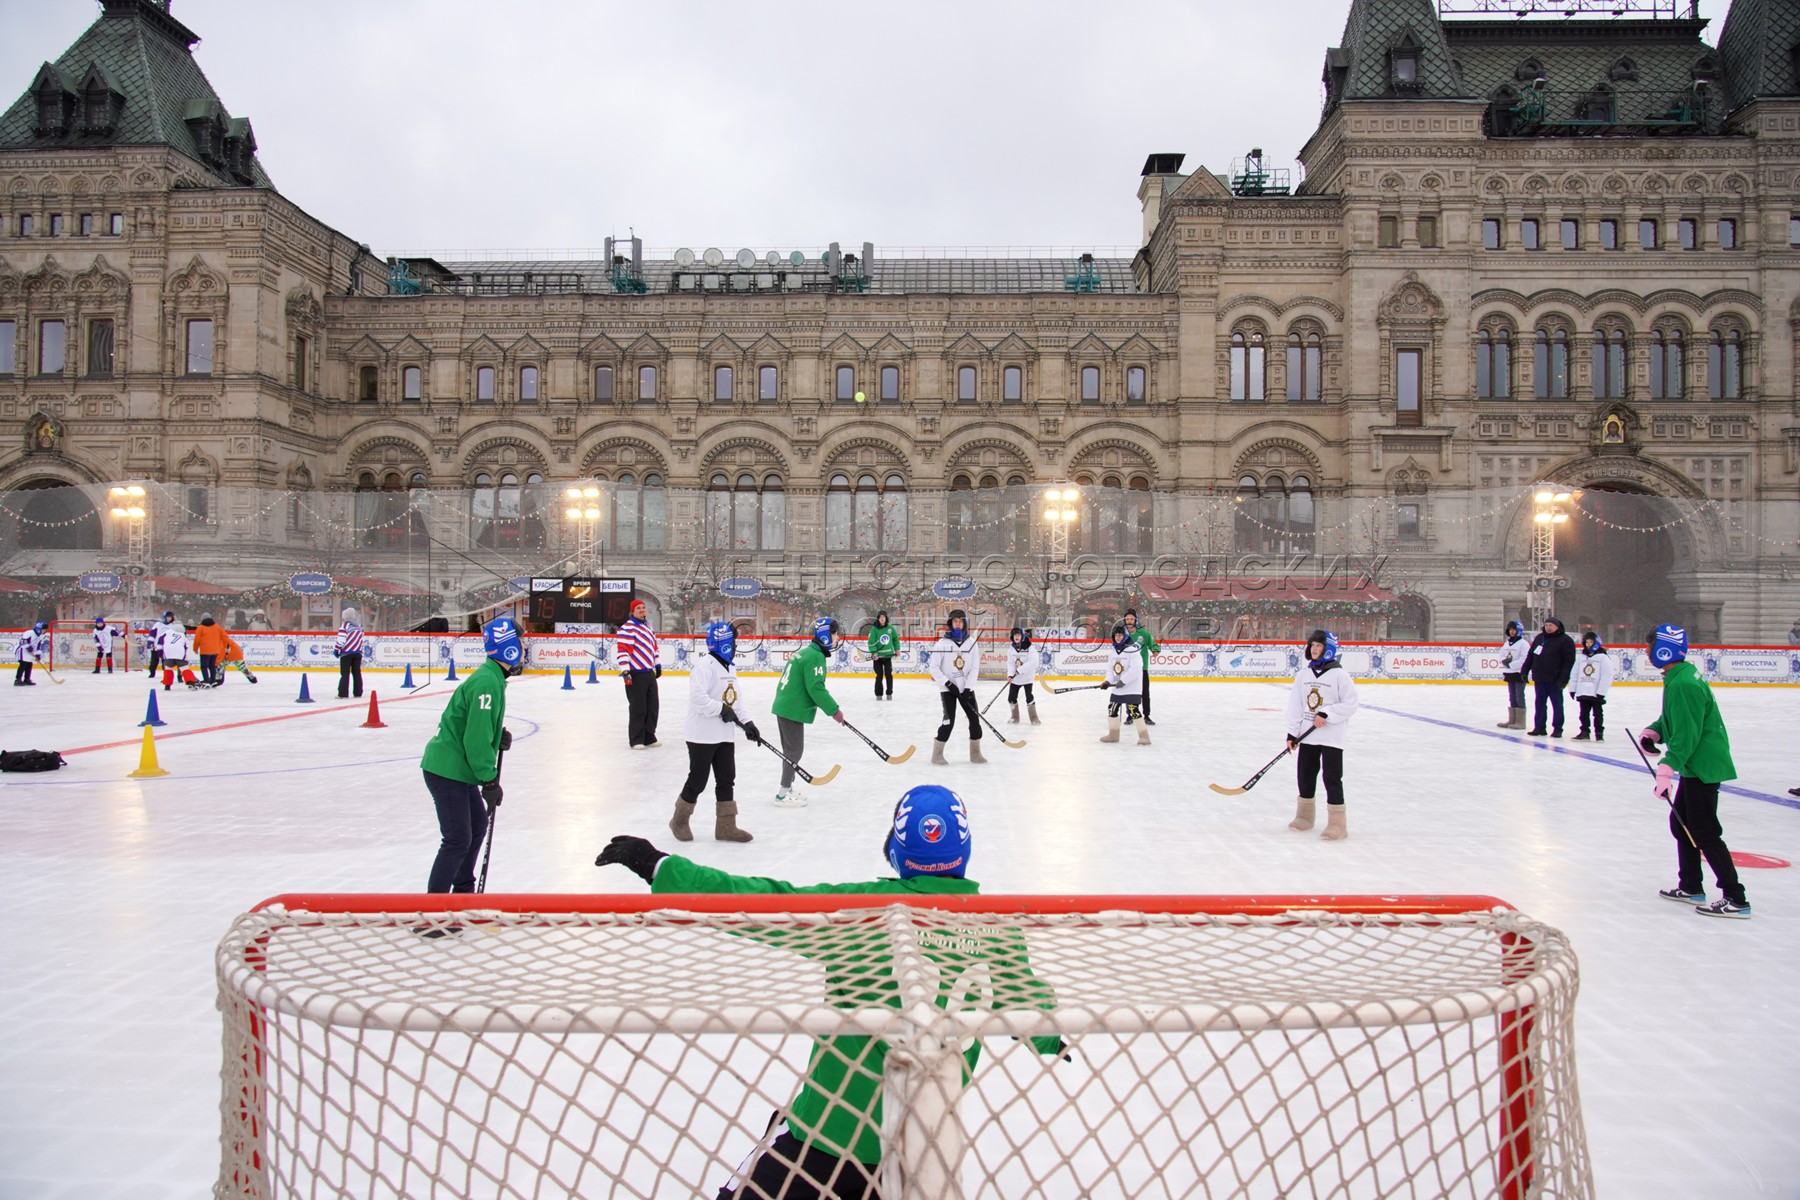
{"x":1254,"y":779}
{"x":52,"y":675}
{"x":488,"y":853}
{"x":1669,"y":800}
{"x":1011,"y":745}
{"x":802,"y":772}
{"x":997,"y":695}
{"x":895,"y":759}
{"x":1056,"y":691}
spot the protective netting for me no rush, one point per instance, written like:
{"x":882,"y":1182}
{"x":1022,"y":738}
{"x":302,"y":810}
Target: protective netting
{"x":1116,"y":1053}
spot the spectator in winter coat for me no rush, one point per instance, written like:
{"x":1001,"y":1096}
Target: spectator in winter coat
{"x":209,"y":644}
{"x":1549,"y":663}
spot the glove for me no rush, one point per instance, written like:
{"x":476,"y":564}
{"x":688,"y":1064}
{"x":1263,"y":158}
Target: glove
{"x":1292,"y":741}
{"x":492,"y":792}
{"x":750,"y":732}
{"x":506,"y":739}
{"x":1649,"y":741}
{"x":838,"y":716}
{"x":950,"y":689}
{"x":1107,"y":683}
{"x":634,"y":854}
{"x":659,"y":670}
{"x":626,"y":676}
{"x":1665,"y":781}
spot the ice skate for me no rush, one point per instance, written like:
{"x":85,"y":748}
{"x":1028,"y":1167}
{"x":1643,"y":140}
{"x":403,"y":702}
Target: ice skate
{"x":725,"y":827}
{"x":1031,"y":711}
{"x":975,"y":751}
{"x":788,"y":798}
{"x":1335,"y":830}
{"x":937,"y":754}
{"x":678,"y":824}
{"x":1112,"y":730}
{"x":1304,"y":812}
{"x":1014,"y":719}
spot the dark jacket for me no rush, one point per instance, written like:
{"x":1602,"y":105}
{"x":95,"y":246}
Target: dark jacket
{"x":1552,"y":658}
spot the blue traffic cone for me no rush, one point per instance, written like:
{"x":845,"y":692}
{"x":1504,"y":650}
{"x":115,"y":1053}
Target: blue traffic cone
{"x":305,"y":692}
{"x":593,"y":671}
{"x":568,"y":684}
{"x":409,"y":683}
{"x":451,"y":673}
{"x":151,"y":715}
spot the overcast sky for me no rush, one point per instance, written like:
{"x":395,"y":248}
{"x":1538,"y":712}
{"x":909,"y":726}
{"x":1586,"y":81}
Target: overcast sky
{"x":457,"y":125}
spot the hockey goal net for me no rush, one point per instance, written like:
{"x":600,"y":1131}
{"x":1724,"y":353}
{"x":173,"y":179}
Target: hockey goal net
{"x":561,"y":1046}
{"x":72,"y":645}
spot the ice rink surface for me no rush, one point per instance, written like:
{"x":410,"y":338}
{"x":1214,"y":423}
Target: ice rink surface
{"x":117,"y":889}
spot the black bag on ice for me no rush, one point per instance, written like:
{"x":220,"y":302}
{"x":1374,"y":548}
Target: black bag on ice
{"x":30,"y":760}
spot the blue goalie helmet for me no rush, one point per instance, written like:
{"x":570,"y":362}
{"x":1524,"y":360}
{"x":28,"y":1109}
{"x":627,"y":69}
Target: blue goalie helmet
{"x":825,"y":630}
{"x":721,"y":639}
{"x":500,"y":641}
{"x":930,"y":834}
{"x":1327,"y":640}
{"x":1669,"y":644}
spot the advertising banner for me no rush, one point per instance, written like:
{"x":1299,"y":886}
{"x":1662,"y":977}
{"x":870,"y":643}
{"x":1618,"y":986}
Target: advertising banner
{"x":98,"y":582}
{"x":1414,"y":664}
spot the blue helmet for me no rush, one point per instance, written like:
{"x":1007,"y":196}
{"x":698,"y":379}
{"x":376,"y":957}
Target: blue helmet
{"x":930,"y":834}
{"x":39,"y":627}
{"x":721,"y":639}
{"x":99,"y":621}
{"x":1668,"y":645}
{"x":824,"y":630}
{"x":500,"y":641}
{"x":1327,"y":641}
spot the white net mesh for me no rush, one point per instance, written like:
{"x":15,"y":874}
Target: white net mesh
{"x":652,"y":1053}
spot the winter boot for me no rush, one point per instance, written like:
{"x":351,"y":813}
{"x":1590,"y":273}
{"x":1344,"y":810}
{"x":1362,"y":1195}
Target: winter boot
{"x":678,"y":824}
{"x":1303,"y":813}
{"x":937,"y":754}
{"x":1014,"y":719}
{"x":1031,"y":711}
{"x":1112,"y":730}
{"x":1144,"y":732}
{"x":1515,"y":719}
{"x":975,"y":751}
{"x":725,"y":827}
{"x":1334,"y":824}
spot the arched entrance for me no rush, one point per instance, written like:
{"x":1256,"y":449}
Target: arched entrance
{"x":52,"y":514}
{"x":1618,"y":562}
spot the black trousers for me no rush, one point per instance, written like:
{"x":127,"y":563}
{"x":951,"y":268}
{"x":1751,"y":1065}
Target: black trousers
{"x":209,"y":670}
{"x":462,"y":823}
{"x":1013,"y":690}
{"x":1311,"y":758}
{"x":1697,"y":804}
{"x":640,"y":695}
{"x":884,"y":669}
{"x":349,"y":670}
{"x":966,"y":699}
{"x":1593,"y":708}
{"x":23,"y":674}
{"x":1515,"y":690}
{"x":102,"y":656}
{"x":155,"y":660}
{"x":1144,"y":704}
{"x":791,"y":1170}
{"x":719,"y":759}
{"x":1552,"y":695}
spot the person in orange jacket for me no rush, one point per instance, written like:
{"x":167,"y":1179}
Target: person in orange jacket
{"x":209,"y":643}
{"x":234,"y":657}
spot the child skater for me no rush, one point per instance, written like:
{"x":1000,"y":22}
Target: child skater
{"x":1697,"y":761}
{"x":955,"y":665}
{"x":1021,"y":673}
{"x":1515,"y":652}
{"x":103,"y":645}
{"x":172,"y":646}
{"x":1593,"y":679}
{"x":1125,"y":680}
{"x":1323,"y":699}
{"x":34,"y":645}
{"x":712,"y":711}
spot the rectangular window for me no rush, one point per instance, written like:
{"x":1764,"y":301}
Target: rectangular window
{"x":603,"y":384}
{"x":1090,"y":385}
{"x":56,"y":224}
{"x":846,"y":383}
{"x":1571,"y":233}
{"x":1490,"y":233}
{"x":1647,"y":234}
{"x":1724,"y":368}
{"x":1407,"y":385}
{"x":115,"y":225}
{"x":484,"y":383}
{"x":1387,"y":235}
{"x":768,"y":384}
{"x":1794,"y":230}
{"x":723,"y":385}
{"x":1528,"y":234}
{"x":51,"y":347}
{"x":1428,"y":231}
{"x":368,"y":384}
{"x":1407,"y":523}
{"x":199,"y":348}
{"x":965,"y":384}
{"x":85,"y":225}
{"x":1688,"y":230}
{"x":1728,"y":233}
{"x":646,"y":384}
{"x":890,"y":384}
{"x":9,"y":347}
{"x":411,"y":379}
{"x":528,"y":385}
{"x":1134,"y":385}
{"x":25,"y":225}
{"x":198,"y":505}
{"x":1609,"y":367}
{"x":1012,"y":384}
{"x":1609,"y":234}
{"x":1551,"y":367}
{"x":301,"y":346}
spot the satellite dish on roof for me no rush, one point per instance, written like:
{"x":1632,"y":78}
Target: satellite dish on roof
{"x":746,"y":257}
{"x":773,"y":258}
{"x":684,"y":257}
{"x":797,"y":258}
{"x":713,"y":256}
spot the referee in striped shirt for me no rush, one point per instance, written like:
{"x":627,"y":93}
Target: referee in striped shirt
{"x":637,"y":651}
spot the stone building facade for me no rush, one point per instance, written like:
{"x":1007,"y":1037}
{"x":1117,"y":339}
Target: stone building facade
{"x":1521,"y":251}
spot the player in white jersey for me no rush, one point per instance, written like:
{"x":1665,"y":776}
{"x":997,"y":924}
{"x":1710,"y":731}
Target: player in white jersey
{"x":1125,"y":683}
{"x":172,"y":646}
{"x":712,"y":710}
{"x":34,"y":647}
{"x":955,"y":665}
{"x":1592,"y":680}
{"x":1322,"y":700}
{"x":103,"y":644}
{"x":1021,"y":673}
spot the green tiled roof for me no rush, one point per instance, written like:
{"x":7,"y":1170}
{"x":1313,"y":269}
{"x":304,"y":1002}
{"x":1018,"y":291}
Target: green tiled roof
{"x":1372,"y":30}
{"x":1757,"y":48}
{"x":145,"y":55}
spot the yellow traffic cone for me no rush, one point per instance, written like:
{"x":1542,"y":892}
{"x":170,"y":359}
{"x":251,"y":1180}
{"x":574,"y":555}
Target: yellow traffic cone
{"x":147,"y":768}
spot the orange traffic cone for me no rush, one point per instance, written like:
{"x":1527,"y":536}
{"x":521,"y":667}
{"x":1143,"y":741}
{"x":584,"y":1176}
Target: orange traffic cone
{"x":147,"y":766}
{"x":374,"y":721}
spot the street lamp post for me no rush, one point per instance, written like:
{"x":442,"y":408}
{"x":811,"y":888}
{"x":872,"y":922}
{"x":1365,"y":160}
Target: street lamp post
{"x":131,"y":507}
{"x":1551,"y":510}
{"x":583,"y":508}
{"x":1060,"y":515}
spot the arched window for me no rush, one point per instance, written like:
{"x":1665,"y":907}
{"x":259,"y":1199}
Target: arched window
{"x":743,"y":514}
{"x":368,"y":388}
{"x":484,"y":383}
{"x":723,"y":385}
{"x":411,"y":384}
{"x":1305,"y":360}
{"x":1247,"y":362}
{"x":639,"y":513}
{"x":768,"y":384}
{"x":890,"y":385}
{"x":965,"y":385}
{"x":893,"y":514}
{"x":1135,"y":385}
{"x":837,"y":513}
{"x":1012,"y":385}
{"x":646,"y":390}
{"x":603,"y":385}
{"x":960,"y":514}
{"x":1090,"y":385}
{"x":1725,"y":365}
{"x":846,"y":384}
{"x":1275,"y":516}
{"x":1550,"y":364}
{"x":1668,"y":365}
{"x":503,"y":511}
{"x":1609,"y":364}
{"x":528,"y":385}
{"x":1493,"y":364}
{"x":57,"y":516}
{"x":1143,"y":522}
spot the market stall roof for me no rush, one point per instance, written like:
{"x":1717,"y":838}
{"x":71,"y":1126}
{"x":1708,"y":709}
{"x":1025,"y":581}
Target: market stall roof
{"x":189,"y":587}
{"x":13,"y":585}
{"x":1295,"y":589}
{"x":381,"y":587}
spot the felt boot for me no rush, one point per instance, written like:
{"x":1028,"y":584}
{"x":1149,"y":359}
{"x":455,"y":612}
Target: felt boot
{"x":975,"y":751}
{"x":1112,"y":730}
{"x":1014,"y":719}
{"x":1304,"y":811}
{"x":1031,"y":711}
{"x":725,"y":827}
{"x":1144,"y":732}
{"x":1512,"y":720}
{"x":678,"y":824}
{"x":937,"y":754}
{"x":1334,"y":824}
